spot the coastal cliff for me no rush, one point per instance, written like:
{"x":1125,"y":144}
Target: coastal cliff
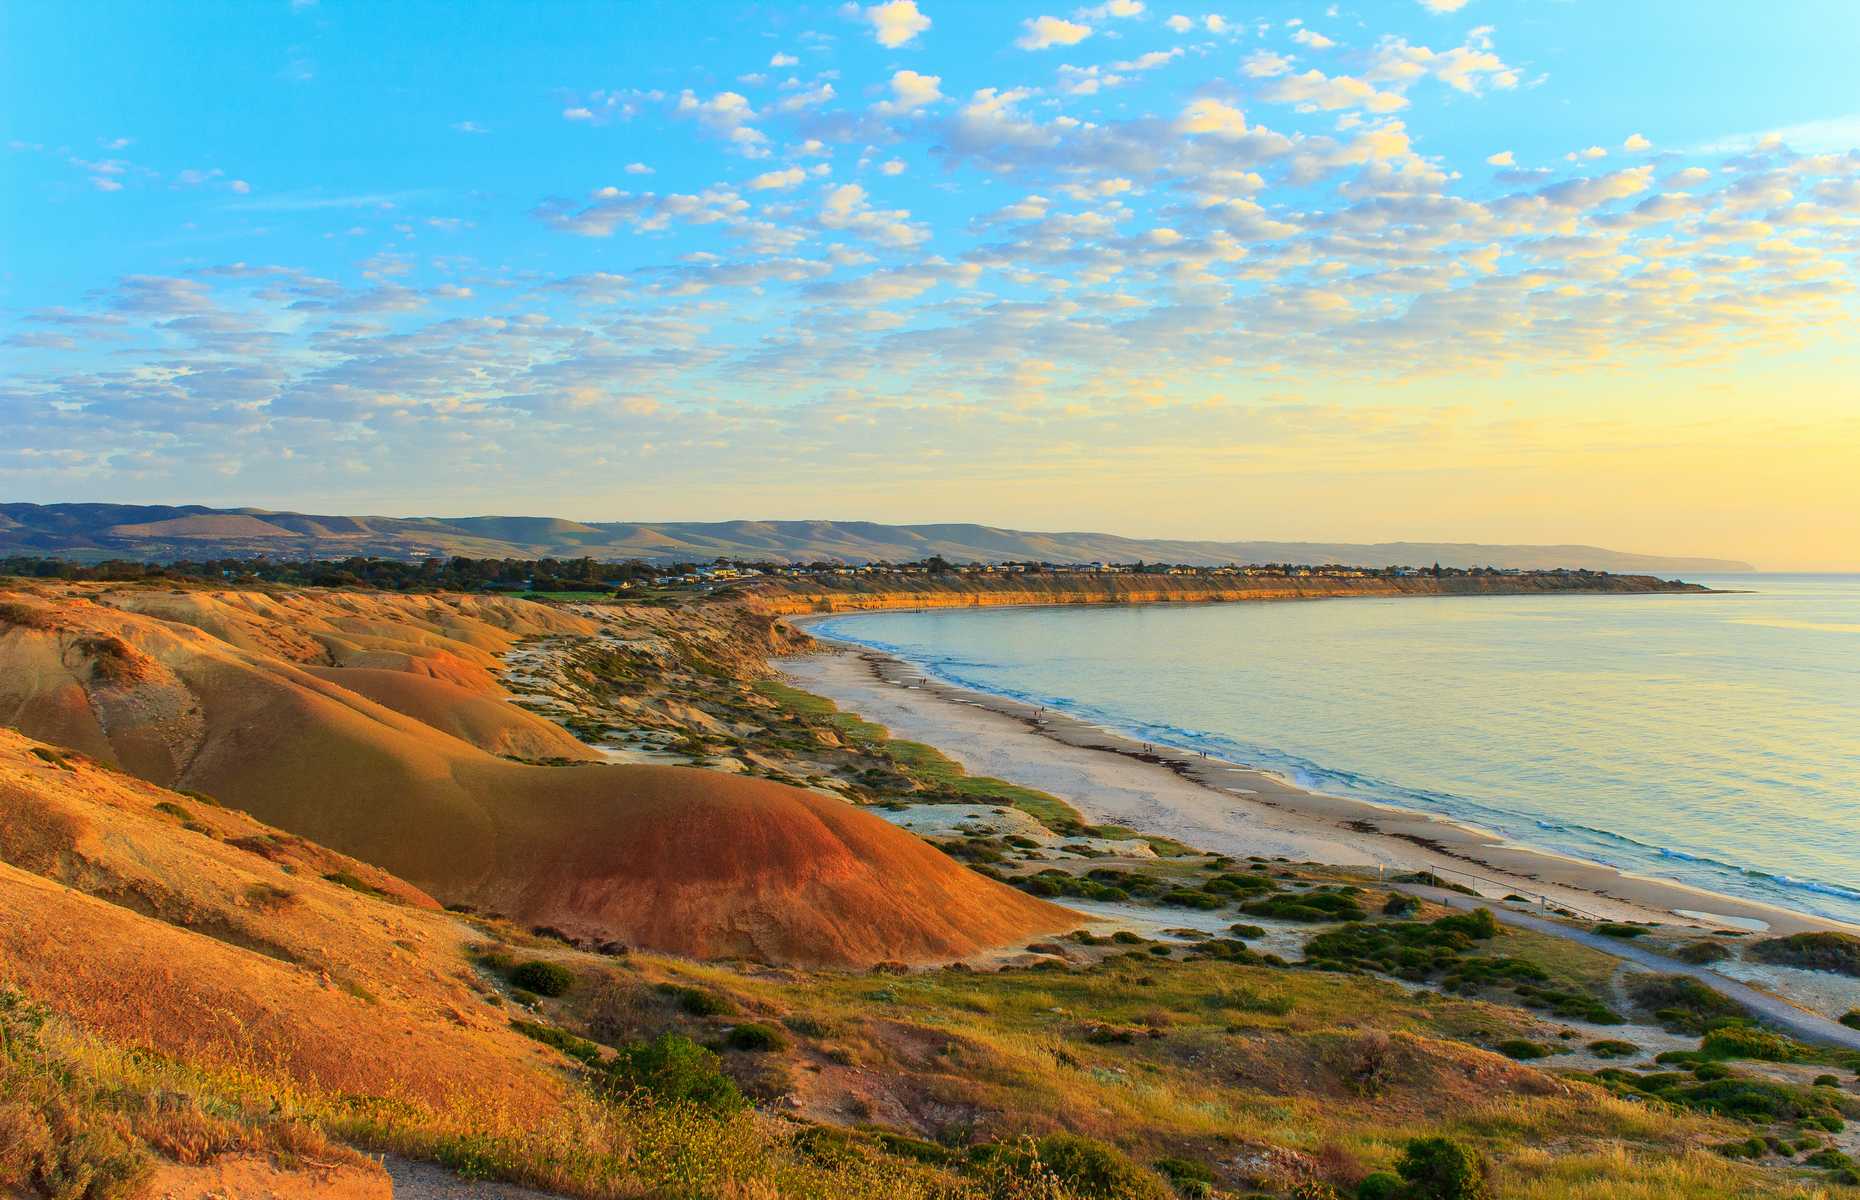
{"x":861,"y":593}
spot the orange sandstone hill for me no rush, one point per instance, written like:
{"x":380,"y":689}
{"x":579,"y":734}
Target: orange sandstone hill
{"x":198,"y":932}
{"x":373,"y":725}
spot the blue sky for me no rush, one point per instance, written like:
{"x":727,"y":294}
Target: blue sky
{"x":1406,"y":269}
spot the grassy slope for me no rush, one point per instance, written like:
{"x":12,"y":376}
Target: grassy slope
{"x":1272,"y":1075}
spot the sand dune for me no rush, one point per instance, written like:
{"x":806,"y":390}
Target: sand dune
{"x":215,"y":938}
{"x":399,"y":769}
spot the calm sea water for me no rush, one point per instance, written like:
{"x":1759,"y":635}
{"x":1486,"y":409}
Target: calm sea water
{"x":1712,"y":739}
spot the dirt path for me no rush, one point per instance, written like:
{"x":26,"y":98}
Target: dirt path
{"x":1797,"y":1023}
{"x":424,"y":1181}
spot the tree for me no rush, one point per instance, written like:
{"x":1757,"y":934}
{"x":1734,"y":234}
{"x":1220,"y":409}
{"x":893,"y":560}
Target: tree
{"x":1442,"y":1169}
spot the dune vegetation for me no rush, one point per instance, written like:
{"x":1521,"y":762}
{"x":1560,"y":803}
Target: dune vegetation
{"x":188,"y":982}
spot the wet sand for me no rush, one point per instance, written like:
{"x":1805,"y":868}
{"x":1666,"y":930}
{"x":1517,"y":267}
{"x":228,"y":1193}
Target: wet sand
{"x":1239,"y":810}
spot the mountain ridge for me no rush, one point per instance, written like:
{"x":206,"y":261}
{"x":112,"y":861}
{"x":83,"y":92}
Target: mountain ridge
{"x":91,"y":532}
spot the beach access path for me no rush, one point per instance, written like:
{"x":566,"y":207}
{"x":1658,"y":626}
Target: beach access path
{"x":1772,"y":1010}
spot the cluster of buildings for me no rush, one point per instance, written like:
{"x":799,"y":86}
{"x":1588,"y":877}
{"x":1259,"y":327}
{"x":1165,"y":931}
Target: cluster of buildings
{"x":726,"y":571}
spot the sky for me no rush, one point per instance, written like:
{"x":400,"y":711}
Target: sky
{"x":1444,"y":270}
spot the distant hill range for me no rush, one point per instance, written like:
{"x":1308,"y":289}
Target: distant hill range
{"x":92,"y":532}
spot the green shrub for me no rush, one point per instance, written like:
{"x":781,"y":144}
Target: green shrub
{"x":1380,"y":1185}
{"x":1183,"y":898}
{"x":1523,"y":1048}
{"x":354,"y":883}
{"x":672,"y":1069}
{"x":1399,"y":904}
{"x":543,"y":978}
{"x":1615,"y":929}
{"x":1822,"y":951}
{"x":561,"y":1039}
{"x":1571,"y":1006}
{"x":1748,"y":1099}
{"x":1739,"y":1042}
{"x":696,"y":1001}
{"x":1442,"y":1169}
{"x":1613,"y":1048}
{"x":1700,"y":953}
{"x":755,"y":1037}
{"x":1310,"y":906}
{"x":1419,"y":952}
{"x":1851,"y":1018}
{"x":173,"y":810}
{"x":1682,"y":1004}
{"x":1189,"y":1177}
{"x":1087,"y":1168}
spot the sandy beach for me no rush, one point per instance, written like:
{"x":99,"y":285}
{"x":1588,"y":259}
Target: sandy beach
{"x":1236,"y":809}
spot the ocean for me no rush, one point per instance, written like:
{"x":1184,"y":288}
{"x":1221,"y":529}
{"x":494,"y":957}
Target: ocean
{"x":1711,"y":739}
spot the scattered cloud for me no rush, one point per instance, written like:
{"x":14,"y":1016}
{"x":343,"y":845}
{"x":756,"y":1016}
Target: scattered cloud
{"x":783,"y":179}
{"x":1042,"y":33}
{"x":1314,"y":90}
{"x":910,"y":91}
{"x":896,"y":22}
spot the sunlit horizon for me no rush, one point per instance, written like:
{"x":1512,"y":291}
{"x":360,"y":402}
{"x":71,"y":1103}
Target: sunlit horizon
{"x":1428,"y":270}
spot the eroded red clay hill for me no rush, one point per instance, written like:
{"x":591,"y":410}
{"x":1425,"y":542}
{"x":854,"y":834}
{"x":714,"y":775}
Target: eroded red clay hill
{"x":242,"y":696}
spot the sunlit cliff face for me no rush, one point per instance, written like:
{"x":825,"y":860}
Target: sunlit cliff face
{"x":1479,"y":270}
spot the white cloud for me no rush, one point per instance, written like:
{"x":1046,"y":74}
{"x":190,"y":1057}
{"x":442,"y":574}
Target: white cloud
{"x":1315,"y":90}
{"x":578,"y":114}
{"x":1502,"y":159}
{"x":1592,"y":152}
{"x":783,"y":60}
{"x":1179,"y":23}
{"x":1113,"y":8}
{"x":1636,"y":142}
{"x":1149,"y":61}
{"x":1215,"y":23}
{"x":893,"y":166}
{"x":1042,"y":33}
{"x":1313,"y":39}
{"x":1086,"y":81}
{"x":638,"y":168}
{"x":1443,"y":6}
{"x":1211,"y":116}
{"x":1467,"y":68}
{"x":728,"y":115}
{"x":896,"y":22}
{"x":1264,"y":64}
{"x":780,"y":180}
{"x":910,"y":91}
{"x":1587,"y":193}
{"x":806,"y":98}
{"x":846,"y":208}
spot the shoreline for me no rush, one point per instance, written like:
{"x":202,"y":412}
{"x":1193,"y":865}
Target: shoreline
{"x":1238,"y":809}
